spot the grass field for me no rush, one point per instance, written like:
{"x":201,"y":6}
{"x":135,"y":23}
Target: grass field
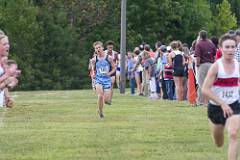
{"x":63,"y":125}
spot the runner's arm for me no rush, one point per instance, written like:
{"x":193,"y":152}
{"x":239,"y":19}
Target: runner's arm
{"x":112,"y":65}
{"x":206,"y":90}
{"x":208,"y":83}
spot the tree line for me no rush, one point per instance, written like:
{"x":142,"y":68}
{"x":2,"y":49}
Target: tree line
{"x":51,"y":40}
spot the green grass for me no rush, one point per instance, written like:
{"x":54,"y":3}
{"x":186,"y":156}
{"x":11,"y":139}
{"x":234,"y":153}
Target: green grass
{"x":63,"y":125}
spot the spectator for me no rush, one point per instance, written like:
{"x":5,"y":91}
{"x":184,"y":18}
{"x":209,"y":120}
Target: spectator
{"x":150,"y":74}
{"x":204,"y":53}
{"x":237,"y":52}
{"x":168,"y":78}
{"x":138,"y":71}
{"x":178,"y":64}
{"x":130,"y":68}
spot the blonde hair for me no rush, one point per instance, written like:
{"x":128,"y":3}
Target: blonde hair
{"x":97,"y":43}
{"x":2,"y":36}
{"x":1,"y":32}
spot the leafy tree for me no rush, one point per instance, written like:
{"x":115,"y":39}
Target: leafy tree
{"x":224,"y":20}
{"x":166,"y":20}
{"x":235,"y":6}
{"x":52,"y":39}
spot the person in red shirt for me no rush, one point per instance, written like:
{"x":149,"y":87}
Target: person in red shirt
{"x":218,"y":54}
{"x":214,"y":40}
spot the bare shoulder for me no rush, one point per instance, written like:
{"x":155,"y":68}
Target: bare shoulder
{"x":213,"y":69}
{"x":110,"y":58}
{"x":93,"y":60}
{"x":214,"y":66}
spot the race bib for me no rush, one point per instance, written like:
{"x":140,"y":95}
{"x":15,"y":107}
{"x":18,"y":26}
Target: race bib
{"x":227,"y":94}
{"x":103,"y":70}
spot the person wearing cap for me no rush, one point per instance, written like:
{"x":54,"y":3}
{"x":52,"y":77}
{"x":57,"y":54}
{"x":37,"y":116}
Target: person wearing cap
{"x":167,"y":77}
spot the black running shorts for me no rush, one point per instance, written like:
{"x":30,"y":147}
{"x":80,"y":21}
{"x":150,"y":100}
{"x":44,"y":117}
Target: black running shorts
{"x":215,"y":113}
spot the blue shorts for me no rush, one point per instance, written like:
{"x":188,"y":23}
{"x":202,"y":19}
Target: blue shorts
{"x":105,"y":84}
